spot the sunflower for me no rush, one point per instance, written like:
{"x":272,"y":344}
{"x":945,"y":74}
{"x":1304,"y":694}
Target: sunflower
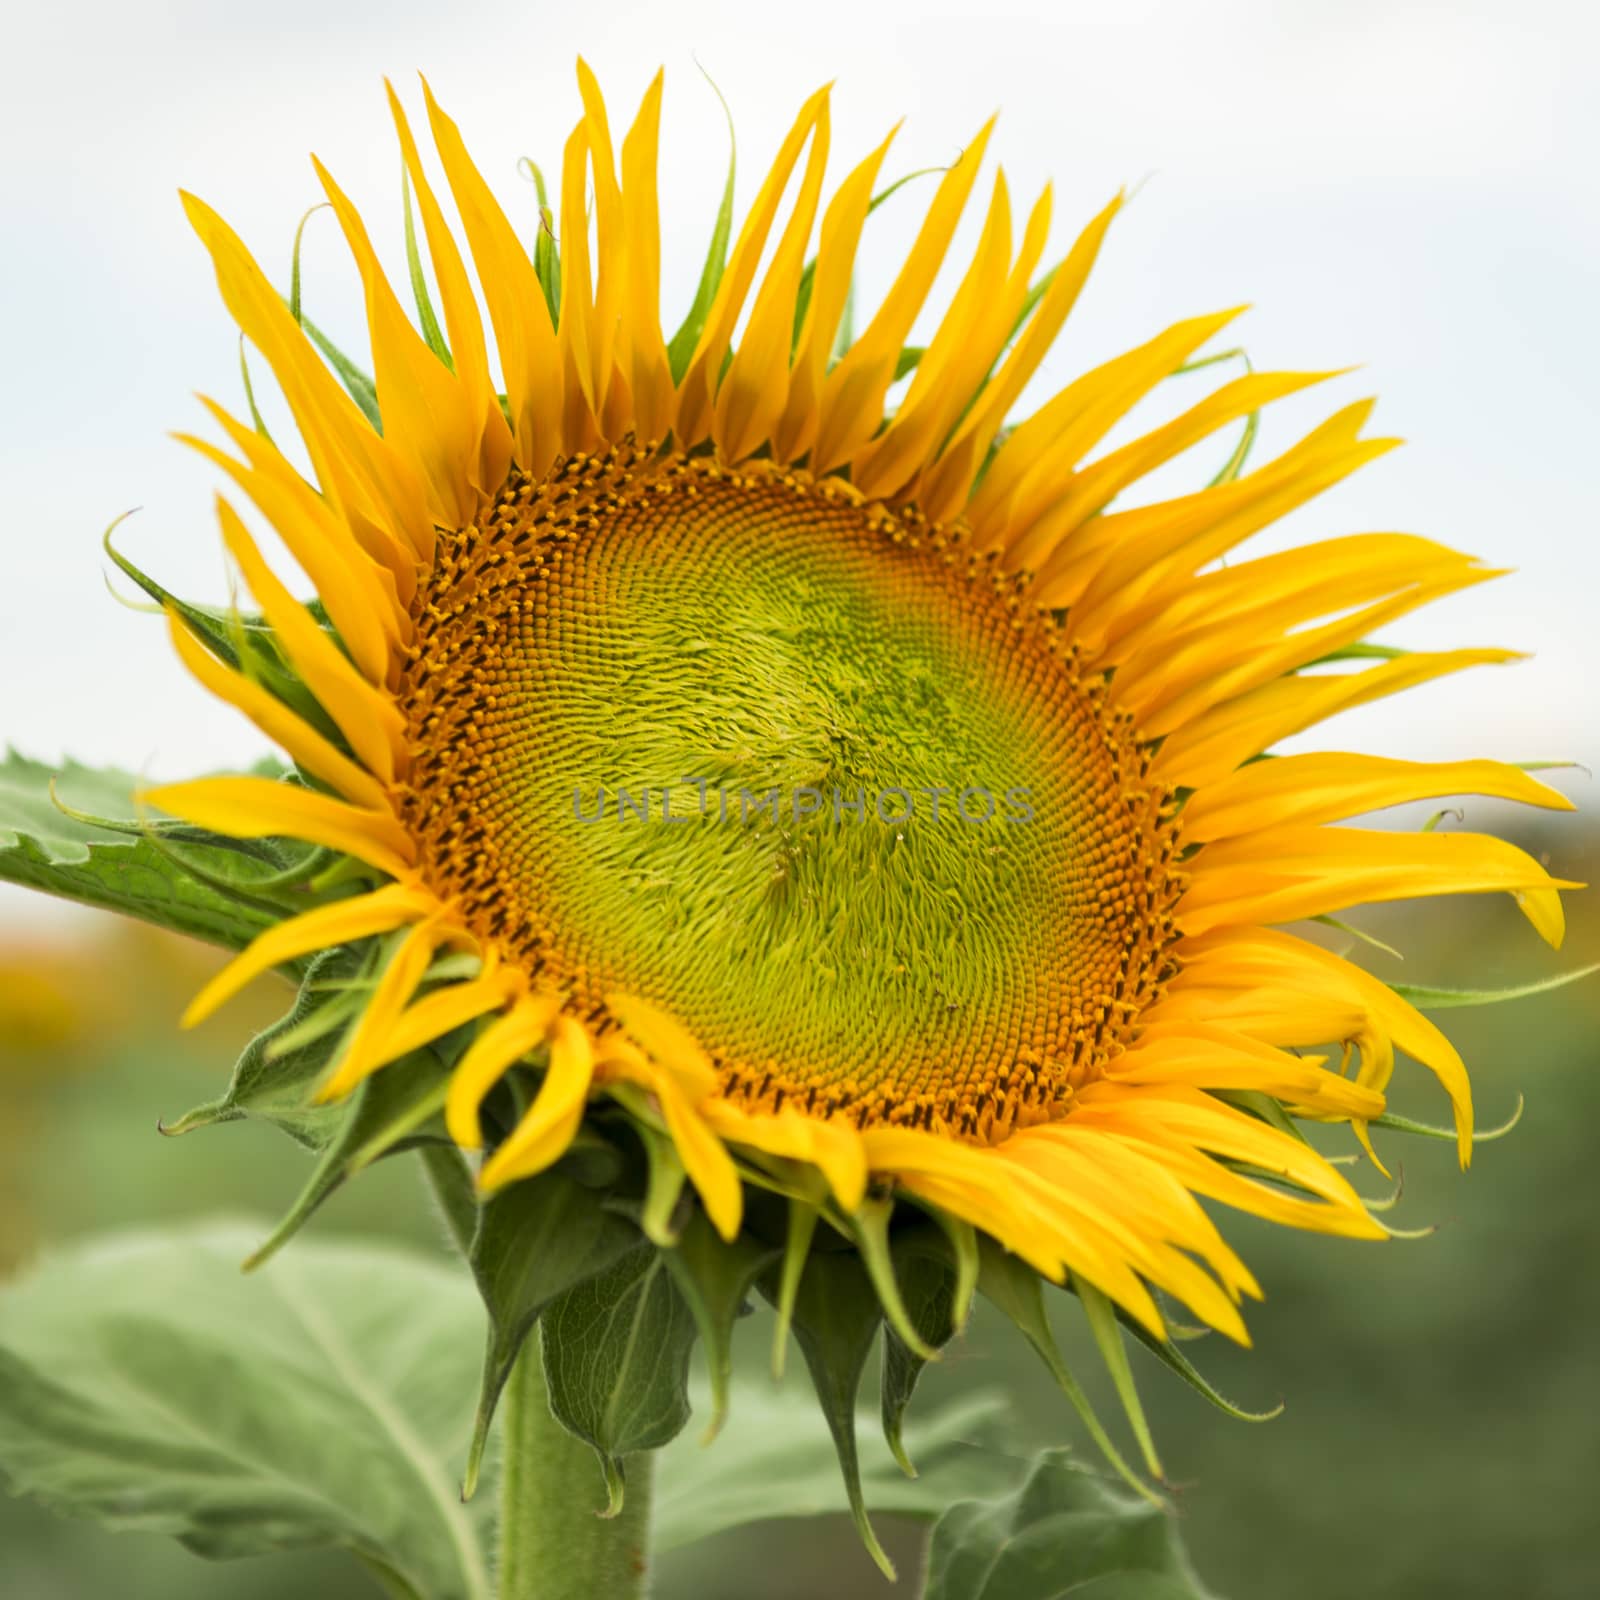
{"x":762,"y":730}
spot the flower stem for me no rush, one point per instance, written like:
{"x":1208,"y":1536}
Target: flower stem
{"x":553,"y":1545}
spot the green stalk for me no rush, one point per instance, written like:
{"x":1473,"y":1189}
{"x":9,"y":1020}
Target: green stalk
{"x":553,"y":1545}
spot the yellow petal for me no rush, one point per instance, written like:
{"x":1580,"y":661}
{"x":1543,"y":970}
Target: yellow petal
{"x":1232,"y":733}
{"x":462,"y":319}
{"x":364,"y":1053}
{"x":492,"y":1054}
{"x":308,"y":747}
{"x":529,"y":359}
{"x":445,"y":1010}
{"x":756,"y":387}
{"x":261,"y":808}
{"x":547,"y":1129}
{"x":666,"y":1041}
{"x":644,"y":350}
{"x":852,"y":397}
{"x":1284,"y":874}
{"x":945,"y":488}
{"x":382,"y":911}
{"x":1308,"y":789}
{"x":425,"y":412}
{"x":366,"y":716}
{"x":697,"y":392}
{"x":365,"y":477}
{"x":359,"y":605}
{"x":796,"y":430}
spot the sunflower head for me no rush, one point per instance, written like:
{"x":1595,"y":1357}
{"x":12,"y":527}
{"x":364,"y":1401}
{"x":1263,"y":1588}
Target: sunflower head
{"x":785,"y":818}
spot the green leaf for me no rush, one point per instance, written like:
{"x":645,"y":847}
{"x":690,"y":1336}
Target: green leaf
{"x":616,"y":1358}
{"x":836,"y":1317}
{"x":714,"y":1277}
{"x":1062,"y":1532}
{"x":536,"y":1240}
{"x":1427,"y":998}
{"x":681,"y":345}
{"x":776,"y":1459}
{"x":146,"y":1385}
{"x":43,"y":848}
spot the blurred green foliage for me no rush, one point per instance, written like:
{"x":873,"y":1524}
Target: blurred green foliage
{"x":1439,"y":1438}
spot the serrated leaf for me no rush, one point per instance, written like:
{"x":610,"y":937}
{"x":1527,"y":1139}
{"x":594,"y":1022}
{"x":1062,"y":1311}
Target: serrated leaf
{"x":836,"y":1317}
{"x":42,"y":848}
{"x":616,"y":1360}
{"x":536,"y":1240}
{"x":1427,"y":998}
{"x":775,"y":1459}
{"x":149,"y":1387}
{"x":714,"y":1276}
{"x":1064,"y":1531}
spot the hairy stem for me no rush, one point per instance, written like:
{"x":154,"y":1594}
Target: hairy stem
{"x":553,"y":1545}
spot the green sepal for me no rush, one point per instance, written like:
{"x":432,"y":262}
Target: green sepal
{"x":1263,"y":1108}
{"x":661,"y":1215}
{"x":870,"y":1227}
{"x":546,"y":257}
{"x":801,"y":1227}
{"x":360,"y":387}
{"x":117,"y":864}
{"x":680,"y":347}
{"x":1170,"y":1356}
{"x":1102,"y":1320}
{"x":1427,"y":998}
{"x":380,"y":1118}
{"x":714,"y":1276}
{"x":1426,"y":1130}
{"x":250,"y":394}
{"x":241,"y":640}
{"x":836,"y":1317}
{"x":928,"y":1286}
{"x":536,"y":1239}
{"x":294,"y":258}
{"x":274,"y":1085}
{"x":1364,"y":651}
{"x":1010,"y":1285}
{"x":616,"y":1353}
{"x":426,"y":318}
{"x":808,"y":275}
{"x":1062,"y":1531}
{"x":1369,"y":939}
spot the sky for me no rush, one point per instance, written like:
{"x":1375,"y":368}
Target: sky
{"x":1405,"y":188}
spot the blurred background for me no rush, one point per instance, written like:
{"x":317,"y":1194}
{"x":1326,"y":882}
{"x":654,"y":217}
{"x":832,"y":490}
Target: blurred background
{"x":1405,"y":185}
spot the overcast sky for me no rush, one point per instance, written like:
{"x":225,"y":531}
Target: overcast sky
{"x":1406,"y":186}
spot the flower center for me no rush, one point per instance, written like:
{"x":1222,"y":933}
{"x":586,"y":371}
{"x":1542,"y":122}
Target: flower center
{"x":799,"y":771}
